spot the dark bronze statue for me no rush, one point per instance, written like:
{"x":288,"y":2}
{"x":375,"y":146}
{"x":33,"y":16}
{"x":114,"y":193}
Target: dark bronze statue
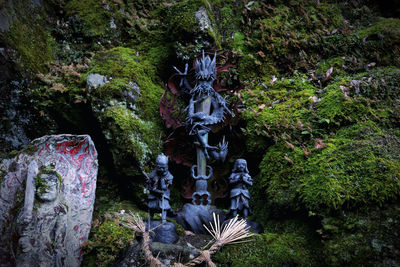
{"x":206,"y":109}
{"x":158,"y":183}
{"x":240,"y":196}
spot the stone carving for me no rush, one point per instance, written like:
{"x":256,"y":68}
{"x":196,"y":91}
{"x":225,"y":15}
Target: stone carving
{"x":45,"y":225}
{"x":240,"y":196}
{"x":158,"y":184}
{"x":47,"y":192}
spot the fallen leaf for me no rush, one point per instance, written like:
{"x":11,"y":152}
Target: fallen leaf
{"x":261,"y":54}
{"x":299,"y":123}
{"x":319,"y":144}
{"x":288,"y":160}
{"x":273,"y":80}
{"x":306,"y":152}
{"x":328,"y":74}
{"x":251,"y":92}
{"x":289,"y":145}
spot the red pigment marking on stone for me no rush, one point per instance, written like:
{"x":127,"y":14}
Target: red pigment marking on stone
{"x":76,"y":227}
{"x":83,"y":186}
{"x":40,"y":150}
{"x":63,"y":147}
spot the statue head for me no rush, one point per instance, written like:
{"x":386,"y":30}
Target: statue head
{"x":240,"y":166}
{"x":162,"y":164}
{"x":47,"y":186}
{"x":206,"y":68}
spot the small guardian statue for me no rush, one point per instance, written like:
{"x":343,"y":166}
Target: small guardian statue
{"x":239,"y":195}
{"x":158,"y":183}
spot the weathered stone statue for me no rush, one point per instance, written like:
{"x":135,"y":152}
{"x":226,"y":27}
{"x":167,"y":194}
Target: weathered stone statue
{"x":240,"y":196}
{"x":46,"y":202}
{"x":42,"y":233}
{"x":159,"y":181}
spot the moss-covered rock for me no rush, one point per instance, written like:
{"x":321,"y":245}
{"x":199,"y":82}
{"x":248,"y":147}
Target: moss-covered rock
{"x":108,"y":237}
{"x":127,"y":108}
{"x":292,"y":244}
{"x":370,"y":235}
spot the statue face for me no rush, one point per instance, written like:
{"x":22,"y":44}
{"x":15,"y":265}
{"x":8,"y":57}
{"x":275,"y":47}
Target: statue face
{"x":162,"y":169}
{"x":48,"y":189}
{"x":241,"y":166}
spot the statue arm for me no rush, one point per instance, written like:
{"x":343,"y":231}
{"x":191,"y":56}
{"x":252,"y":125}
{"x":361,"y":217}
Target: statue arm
{"x":184,"y":83}
{"x":234,"y":178}
{"x":247,"y":179}
{"x":164,"y":184}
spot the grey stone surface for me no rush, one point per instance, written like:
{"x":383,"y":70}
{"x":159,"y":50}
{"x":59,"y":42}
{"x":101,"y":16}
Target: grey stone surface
{"x":192,"y":217}
{"x":47,"y":195}
{"x":95,"y":80}
{"x":163,"y":232}
{"x":202,"y":18}
{"x":4,"y":20}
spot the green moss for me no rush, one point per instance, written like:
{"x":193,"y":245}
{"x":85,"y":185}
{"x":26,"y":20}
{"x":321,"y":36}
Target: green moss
{"x":238,"y":41}
{"x":354,"y":238}
{"x":336,"y":63}
{"x":132,"y":126}
{"x":106,"y":241}
{"x":124,"y":65}
{"x":33,"y":43}
{"x":335,"y":107}
{"x":30,"y":149}
{"x":274,"y":111}
{"x":40,"y":183}
{"x":289,"y":36}
{"x":383,"y":26}
{"x":355,"y":167}
{"x":365,"y":96}
{"x":92,"y":14}
{"x":135,"y":136}
{"x":292,"y":247}
{"x":181,"y":16}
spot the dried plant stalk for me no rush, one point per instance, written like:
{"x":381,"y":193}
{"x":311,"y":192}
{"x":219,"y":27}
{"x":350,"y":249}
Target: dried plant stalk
{"x":136,"y":223}
{"x":233,"y":232}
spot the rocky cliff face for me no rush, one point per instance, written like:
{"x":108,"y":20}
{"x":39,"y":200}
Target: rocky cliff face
{"x":318,"y":109}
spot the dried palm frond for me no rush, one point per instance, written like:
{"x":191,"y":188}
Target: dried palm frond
{"x":233,"y":232}
{"x":136,"y":223}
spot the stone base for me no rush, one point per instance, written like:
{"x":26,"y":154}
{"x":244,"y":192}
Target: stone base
{"x":253,"y":226}
{"x":163,"y":233}
{"x":192,"y":217}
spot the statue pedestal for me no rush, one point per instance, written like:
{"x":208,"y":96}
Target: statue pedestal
{"x":162,"y":232}
{"x":254,"y":227}
{"x":192,"y":217}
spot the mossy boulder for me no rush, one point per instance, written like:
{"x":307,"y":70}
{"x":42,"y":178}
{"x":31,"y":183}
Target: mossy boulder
{"x":290,"y":243}
{"x":370,"y":235}
{"x":127,"y":108}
